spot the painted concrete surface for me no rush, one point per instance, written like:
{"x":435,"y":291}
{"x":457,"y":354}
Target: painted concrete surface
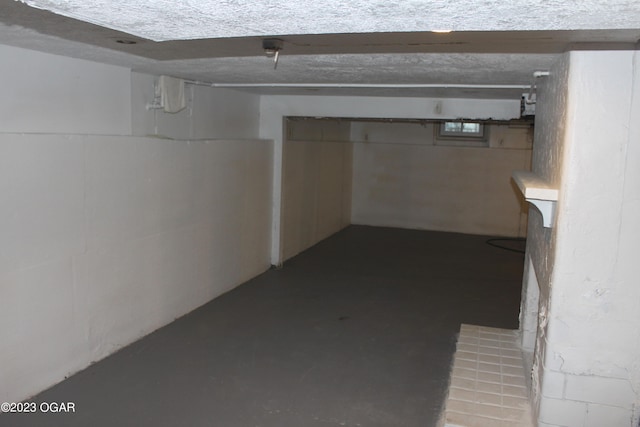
{"x":548,"y":164}
{"x":587,"y":350}
{"x":403,"y":176}
{"x":359,"y":330}
{"x":316,"y":183}
{"x":274,"y":109}
{"x":105,"y":236}
{"x":105,"y":239}
{"x":55,"y":94}
{"x":210,"y":112}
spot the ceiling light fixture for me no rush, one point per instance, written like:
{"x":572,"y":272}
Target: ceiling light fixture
{"x":272,"y":48}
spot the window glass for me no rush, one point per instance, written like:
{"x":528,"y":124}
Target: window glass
{"x":470,"y":127}
{"x":452,"y":126}
{"x":461,"y":133}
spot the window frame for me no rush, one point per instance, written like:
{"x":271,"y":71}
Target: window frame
{"x":460,"y":138}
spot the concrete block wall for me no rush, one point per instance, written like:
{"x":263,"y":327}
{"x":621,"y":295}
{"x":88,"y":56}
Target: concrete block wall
{"x":590,"y":401}
{"x":548,"y":163}
{"x":586,"y":369}
{"x":106,"y":236}
{"x":316,"y":185}
{"x":529,"y":307}
{"x":342,"y":171}
{"x":274,"y":109}
{"x":403,"y":177}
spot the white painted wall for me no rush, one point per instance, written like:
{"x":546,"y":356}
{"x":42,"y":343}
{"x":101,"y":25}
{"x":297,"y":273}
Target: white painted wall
{"x":273,"y":110}
{"x":548,"y":163}
{"x":210,"y":112}
{"x":387,"y":107}
{"x":316,"y":183}
{"x":104,"y":236}
{"x":587,"y":358}
{"x":52,"y":94}
{"x":403,"y":179}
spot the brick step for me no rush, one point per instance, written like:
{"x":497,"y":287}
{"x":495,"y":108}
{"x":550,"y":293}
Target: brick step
{"x":487,"y":387}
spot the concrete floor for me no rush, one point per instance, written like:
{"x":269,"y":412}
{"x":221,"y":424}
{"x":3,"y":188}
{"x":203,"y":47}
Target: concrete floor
{"x":359,"y":330}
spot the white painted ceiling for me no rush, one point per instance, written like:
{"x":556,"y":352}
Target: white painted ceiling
{"x":359,"y":42}
{"x":163,"y":20}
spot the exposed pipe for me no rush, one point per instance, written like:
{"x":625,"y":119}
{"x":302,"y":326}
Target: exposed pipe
{"x":536,"y":76}
{"x":359,"y":85}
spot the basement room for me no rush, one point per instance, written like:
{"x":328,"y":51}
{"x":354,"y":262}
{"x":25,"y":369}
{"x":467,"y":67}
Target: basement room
{"x":316,"y":214}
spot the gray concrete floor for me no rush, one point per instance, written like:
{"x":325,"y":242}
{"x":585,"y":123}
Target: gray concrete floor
{"x":359,"y":330}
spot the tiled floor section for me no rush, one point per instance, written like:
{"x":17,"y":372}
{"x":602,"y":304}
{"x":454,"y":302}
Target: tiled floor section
{"x":487,"y":382}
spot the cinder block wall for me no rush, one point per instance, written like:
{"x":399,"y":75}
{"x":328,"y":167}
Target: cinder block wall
{"x":586,"y":369}
{"x":115,"y":219}
{"x":403,"y":176}
{"x":316,"y":182}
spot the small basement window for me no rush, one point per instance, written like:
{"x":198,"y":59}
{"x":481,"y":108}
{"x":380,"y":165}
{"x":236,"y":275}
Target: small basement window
{"x":465,"y":129}
{"x":461,"y":133}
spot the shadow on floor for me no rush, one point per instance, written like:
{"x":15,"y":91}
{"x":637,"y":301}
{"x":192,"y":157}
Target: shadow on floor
{"x":359,"y":330}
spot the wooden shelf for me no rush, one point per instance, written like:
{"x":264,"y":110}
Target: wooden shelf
{"x":539,"y":193}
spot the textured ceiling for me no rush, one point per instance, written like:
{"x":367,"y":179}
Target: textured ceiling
{"x":360,"y":45}
{"x":162,"y":20}
{"x":419,"y":68}
{"x":375,"y":69}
